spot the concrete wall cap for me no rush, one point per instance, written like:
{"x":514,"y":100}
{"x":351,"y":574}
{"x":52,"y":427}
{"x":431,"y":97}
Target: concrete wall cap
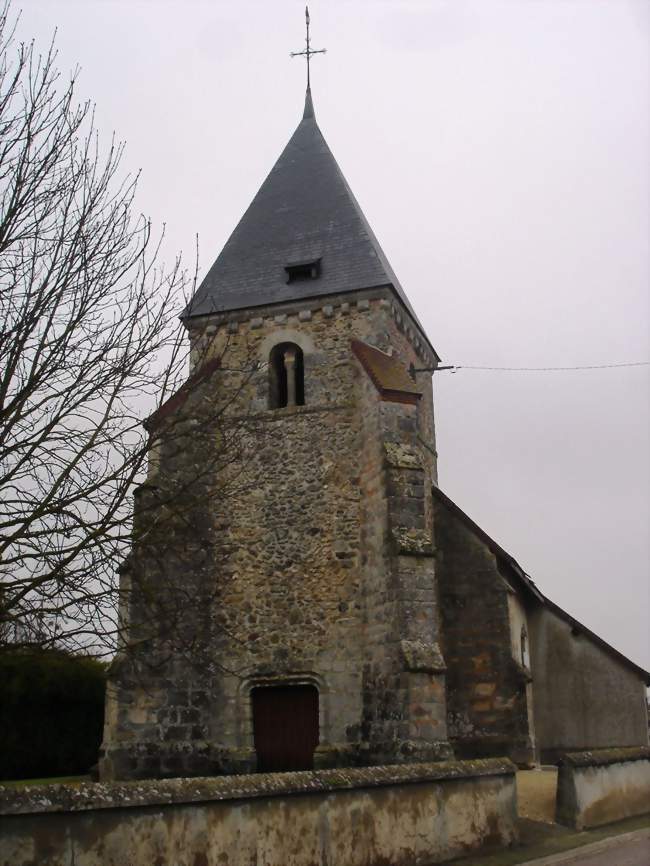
{"x":601,"y":757}
{"x":119,"y":795}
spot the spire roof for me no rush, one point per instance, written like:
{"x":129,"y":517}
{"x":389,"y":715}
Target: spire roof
{"x":304,"y":213}
{"x":308,"y":113}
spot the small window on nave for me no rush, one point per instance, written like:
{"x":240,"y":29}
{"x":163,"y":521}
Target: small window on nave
{"x":525,"y":660}
{"x":286,"y":376}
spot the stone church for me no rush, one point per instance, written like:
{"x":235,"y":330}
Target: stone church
{"x":335,"y":608}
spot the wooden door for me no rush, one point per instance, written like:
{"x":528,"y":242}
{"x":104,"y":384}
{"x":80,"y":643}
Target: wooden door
{"x":285,"y":726}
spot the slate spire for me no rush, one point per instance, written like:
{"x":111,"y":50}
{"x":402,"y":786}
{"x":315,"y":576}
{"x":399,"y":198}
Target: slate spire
{"x":304,"y":213}
{"x":308,"y":113}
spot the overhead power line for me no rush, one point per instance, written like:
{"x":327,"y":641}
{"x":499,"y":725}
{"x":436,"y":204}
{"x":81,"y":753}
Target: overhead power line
{"x":454,"y":367}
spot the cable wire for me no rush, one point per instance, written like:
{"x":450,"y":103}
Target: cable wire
{"x":455,"y":367}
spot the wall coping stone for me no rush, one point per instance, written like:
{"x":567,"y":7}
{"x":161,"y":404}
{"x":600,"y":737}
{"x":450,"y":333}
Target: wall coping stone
{"x":402,"y":456}
{"x":602,"y":757}
{"x":87,"y":796}
{"x":285,"y":413}
{"x":420,"y":656}
{"x":413,"y":542}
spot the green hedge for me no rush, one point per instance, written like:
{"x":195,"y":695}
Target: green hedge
{"x":51,"y":713}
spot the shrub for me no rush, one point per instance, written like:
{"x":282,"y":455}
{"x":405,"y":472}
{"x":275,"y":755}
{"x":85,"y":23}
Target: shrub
{"x":51,"y":713}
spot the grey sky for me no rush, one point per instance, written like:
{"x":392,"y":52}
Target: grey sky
{"x":499,"y":150}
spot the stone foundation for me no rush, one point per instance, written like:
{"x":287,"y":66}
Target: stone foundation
{"x":402,"y":815}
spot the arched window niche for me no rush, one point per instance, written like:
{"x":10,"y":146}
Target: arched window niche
{"x":286,"y":376}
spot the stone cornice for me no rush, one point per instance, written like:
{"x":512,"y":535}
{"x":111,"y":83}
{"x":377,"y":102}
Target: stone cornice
{"x":328,"y":308}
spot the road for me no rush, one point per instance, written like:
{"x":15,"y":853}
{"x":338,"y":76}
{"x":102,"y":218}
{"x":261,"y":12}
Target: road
{"x":635,"y":853}
{"x":632,"y":849}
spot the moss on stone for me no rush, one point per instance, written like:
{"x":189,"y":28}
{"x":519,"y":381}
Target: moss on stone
{"x":602,"y":757}
{"x":114,"y":795}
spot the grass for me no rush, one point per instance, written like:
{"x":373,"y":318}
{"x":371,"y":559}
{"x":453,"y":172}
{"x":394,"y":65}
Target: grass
{"x":24,"y":783}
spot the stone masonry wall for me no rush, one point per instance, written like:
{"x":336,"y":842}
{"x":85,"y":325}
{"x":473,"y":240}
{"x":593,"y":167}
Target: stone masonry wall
{"x":486,"y":686}
{"x":421,"y":813}
{"x":584,"y":698}
{"x":293,"y":563}
{"x":600,"y":787}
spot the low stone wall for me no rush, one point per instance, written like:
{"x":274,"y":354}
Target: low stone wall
{"x":599,"y":787}
{"x":402,"y":815}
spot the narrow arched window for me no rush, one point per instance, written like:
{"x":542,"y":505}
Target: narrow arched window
{"x":524,"y":647}
{"x":286,"y":376}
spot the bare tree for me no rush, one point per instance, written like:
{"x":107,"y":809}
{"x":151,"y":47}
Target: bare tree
{"x":89,"y":346}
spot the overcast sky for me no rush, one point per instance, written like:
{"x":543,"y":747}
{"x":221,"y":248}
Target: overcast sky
{"x":499,"y":150}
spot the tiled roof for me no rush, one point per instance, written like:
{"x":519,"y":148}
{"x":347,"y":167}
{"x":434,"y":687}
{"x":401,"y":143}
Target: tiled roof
{"x":388,"y":374}
{"x":304,"y":211}
{"x":529,"y":586}
{"x":178,"y":399}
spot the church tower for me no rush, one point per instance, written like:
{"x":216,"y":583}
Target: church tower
{"x":299,"y":567}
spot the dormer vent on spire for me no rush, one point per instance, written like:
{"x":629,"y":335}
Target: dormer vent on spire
{"x":304,"y":270}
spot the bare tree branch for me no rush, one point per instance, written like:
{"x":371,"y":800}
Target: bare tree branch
{"x":90,"y":344}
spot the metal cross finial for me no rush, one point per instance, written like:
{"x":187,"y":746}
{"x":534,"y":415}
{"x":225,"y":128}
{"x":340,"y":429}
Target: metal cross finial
{"x":308,"y":50}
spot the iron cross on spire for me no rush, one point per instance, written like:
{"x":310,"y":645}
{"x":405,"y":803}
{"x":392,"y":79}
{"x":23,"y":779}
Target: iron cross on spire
{"x":308,"y":50}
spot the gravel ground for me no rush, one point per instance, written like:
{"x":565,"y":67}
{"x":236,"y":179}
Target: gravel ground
{"x":536,"y":794}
